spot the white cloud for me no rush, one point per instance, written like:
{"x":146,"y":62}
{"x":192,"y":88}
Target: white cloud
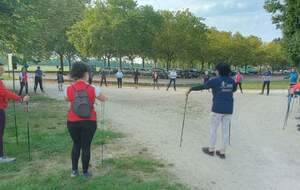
{"x":245,"y":16}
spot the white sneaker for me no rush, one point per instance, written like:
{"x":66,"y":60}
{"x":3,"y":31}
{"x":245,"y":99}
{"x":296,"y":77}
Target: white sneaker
{"x":5,"y":159}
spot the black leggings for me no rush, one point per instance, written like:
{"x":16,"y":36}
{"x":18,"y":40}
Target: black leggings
{"x":82,"y":133}
{"x":174,"y":82}
{"x":38,"y":81}
{"x":266,"y":83}
{"x":240,"y":85}
{"x":23,"y":84}
{"x":103,"y":79}
{"x":119,"y":82}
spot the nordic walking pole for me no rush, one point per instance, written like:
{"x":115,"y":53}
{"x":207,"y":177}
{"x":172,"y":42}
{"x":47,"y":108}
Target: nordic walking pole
{"x":15,"y":114}
{"x":293,"y":100}
{"x":16,"y":126}
{"x":182,"y":129}
{"x":28,"y":130}
{"x":287,"y":112}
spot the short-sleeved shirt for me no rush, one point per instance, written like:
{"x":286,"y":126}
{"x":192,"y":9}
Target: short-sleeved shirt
{"x":222,"y":90}
{"x":39,"y":73}
{"x":92,"y":92}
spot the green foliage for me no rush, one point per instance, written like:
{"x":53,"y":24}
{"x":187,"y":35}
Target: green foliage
{"x":286,"y":15}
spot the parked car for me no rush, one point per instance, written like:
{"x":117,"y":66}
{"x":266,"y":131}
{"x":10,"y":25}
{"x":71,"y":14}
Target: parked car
{"x":162,"y":73}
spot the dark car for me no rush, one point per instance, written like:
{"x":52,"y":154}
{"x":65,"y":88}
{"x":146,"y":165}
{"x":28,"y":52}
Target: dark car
{"x":162,"y":74}
{"x":191,"y":73}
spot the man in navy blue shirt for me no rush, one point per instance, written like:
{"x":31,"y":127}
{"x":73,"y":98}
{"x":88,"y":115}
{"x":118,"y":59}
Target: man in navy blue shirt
{"x":267,"y":76}
{"x":223,"y":88}
{"x":38,"y":79}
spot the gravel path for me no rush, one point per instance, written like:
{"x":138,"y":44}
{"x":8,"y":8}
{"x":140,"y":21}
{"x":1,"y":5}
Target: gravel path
{"x":262,"y":155}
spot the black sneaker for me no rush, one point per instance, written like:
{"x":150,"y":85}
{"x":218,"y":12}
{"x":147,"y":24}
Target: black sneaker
{"x":222,"y":156}
{"x":206,"y":151}
{"x":87,"y":174}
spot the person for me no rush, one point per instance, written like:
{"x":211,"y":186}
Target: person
{"x":223,"y":88}
{"x":172,"y":76}
{"x":38,"y":79}
{"x":119,"y":76}
{"x":5,"y":96}
{"x":155,"y":77}
{"x":267,"y":76}
{"x":82,"y":117}
{"x":293,"y":76}
{"x":91,"y":74}
{"x":136,"y":75}
{"x":23,"y":76}
{"x":60,"y":80}
{"x":238,"y":80}
{"x":206,"y":77}
{"x":103,"y":77}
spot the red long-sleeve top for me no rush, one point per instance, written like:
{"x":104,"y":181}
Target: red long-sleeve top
{"x":6,"y":95}
{"x":296,"y":86}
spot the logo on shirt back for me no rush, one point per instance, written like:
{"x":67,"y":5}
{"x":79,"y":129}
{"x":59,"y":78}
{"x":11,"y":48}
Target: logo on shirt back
{"x":225,"y":87}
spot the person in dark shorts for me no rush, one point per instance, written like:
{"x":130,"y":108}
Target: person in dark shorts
{"x":82,"y":128}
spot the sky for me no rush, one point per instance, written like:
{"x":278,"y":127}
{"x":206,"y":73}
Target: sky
{"x":245,"y":16}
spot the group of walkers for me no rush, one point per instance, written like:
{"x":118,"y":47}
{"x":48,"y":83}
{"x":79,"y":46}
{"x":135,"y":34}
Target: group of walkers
{"x":82,"y":116}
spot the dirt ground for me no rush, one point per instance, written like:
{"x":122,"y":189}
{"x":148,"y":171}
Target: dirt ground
{"x":262,"y":156}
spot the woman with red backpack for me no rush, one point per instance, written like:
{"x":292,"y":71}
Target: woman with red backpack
{"x":82,"y":117}
{"x":238,"y":80}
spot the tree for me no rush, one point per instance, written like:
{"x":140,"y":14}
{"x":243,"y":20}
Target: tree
{"x":175,"y":40}
{"x":149,"y":24}
{"x":218,"y":49}
{"x":286,"y":16}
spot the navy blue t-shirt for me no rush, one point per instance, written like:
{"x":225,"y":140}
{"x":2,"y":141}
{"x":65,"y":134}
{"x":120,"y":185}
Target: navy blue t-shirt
{"x":222,"y":90}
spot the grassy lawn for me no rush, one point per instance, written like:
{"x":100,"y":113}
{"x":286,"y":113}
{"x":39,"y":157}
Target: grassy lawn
{"x":49,"y":168}
{"x":257,"y":85}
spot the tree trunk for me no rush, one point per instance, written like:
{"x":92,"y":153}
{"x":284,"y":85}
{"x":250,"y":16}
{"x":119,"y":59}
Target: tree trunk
{"x":131,"y":60}
{"x":259,"y":69}
{"x":245,"y":69}
{"x":104,"y":65}
{"x":108,"y":62}
{"x":70,"y":63}
{"x":143,"y":61}
{"x":120,"y":62}
{"x":61,"y":57}
{"x":202,"y":66}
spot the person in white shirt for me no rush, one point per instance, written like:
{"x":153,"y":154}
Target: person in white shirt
{"x":119,"y":76}
{"x":172,"y":76}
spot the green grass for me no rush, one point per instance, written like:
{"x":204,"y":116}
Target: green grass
{"x":257,"y":85}
{"x":49,"y":168}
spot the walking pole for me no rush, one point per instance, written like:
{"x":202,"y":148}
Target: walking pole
{"x":182,"y":129}
{"x":15,"y":114}
{"x":293,"y":100}
{"x":28,"y":130}
{"x":287,"y":112}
